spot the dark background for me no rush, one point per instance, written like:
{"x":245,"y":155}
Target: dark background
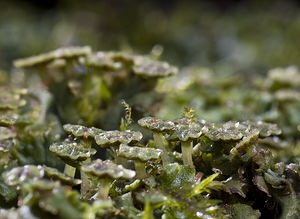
{"x":231,"y":35}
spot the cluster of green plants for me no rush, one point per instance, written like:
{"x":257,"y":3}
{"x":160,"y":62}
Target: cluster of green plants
{"x":89,"y":135}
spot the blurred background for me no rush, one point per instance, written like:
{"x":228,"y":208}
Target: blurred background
{"x":231,"y":35}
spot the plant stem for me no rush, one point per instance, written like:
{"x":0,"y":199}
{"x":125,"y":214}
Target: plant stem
{"x":103,"y":191}
{"x":160,"y":144}
{"x":69,"y":170}
{"x":186,"y":150}
{"x":148,"y":212}
{"x":140,"y":169}
{"x":85,"y":186}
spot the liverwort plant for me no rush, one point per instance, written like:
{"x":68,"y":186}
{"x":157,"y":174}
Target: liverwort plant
{"x":61,"y":53}
{"x":20,"y":175}
{"x":113,"y":139}
{"x":146,"y":67}
{"x":54,"y":174}
{"x":106,"y":172}
{"x":100,"y":61}
{"x":140,"y":155}
{"x":186,"y":131}
{"x":228,"y":131}
{"x":73,"y":153}
{"x":86,"y":136}
{"x":81,"y":132}
{"x":159,"y":127}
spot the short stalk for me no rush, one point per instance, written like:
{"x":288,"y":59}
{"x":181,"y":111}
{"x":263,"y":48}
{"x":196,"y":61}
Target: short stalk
{"x":148,"y":212}
{"x":186,"y":150}
{"x":103,"y":191}
{"x":160,"y":144}
{"x":140,"y":169}
{"x":69,"y":170}
{"x":85,"y":185}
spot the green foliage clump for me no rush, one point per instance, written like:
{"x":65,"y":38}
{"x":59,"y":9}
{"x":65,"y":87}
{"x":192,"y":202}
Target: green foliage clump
{"x":68,"y":114}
